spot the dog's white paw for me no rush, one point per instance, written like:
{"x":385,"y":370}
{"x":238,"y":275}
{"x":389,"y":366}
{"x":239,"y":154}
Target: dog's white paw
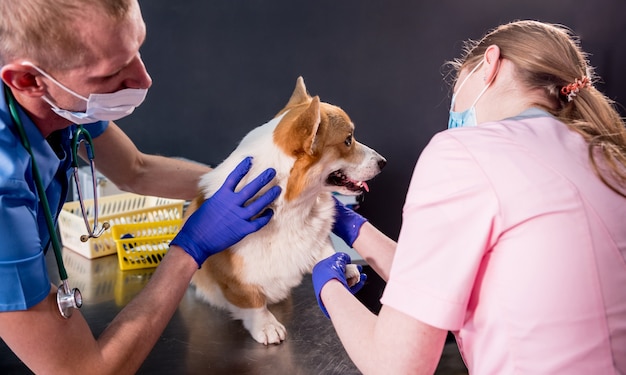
{"x":353,"y":276}
{"x":269,"y":333}
{"x":264,"y":327}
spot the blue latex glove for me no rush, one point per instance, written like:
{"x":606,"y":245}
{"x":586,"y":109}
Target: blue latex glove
{"x":224,"y":219}
{"x":334,"y":267}
{"x":347,"y":223}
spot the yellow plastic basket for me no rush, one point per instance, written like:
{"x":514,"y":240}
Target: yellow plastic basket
{"x":117,"y":209}
{"x":143,"y":245}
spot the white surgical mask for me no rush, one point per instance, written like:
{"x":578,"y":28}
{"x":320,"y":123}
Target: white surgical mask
{"x":100,"y":107}
{"x":467,"y":117}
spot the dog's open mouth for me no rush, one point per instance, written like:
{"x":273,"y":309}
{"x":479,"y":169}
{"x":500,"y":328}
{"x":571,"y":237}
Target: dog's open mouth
{"x":337,"y":178}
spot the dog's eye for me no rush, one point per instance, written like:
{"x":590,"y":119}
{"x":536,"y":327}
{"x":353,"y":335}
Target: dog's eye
{"x":348,"y":141}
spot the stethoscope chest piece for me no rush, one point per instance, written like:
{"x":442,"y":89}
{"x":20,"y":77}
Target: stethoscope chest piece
{"x":68,"y":299}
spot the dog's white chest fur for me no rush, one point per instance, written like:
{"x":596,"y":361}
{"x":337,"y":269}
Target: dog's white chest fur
{"x":277,"y":256}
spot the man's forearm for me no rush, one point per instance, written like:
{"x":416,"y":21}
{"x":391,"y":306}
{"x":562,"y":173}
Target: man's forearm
{"x":130,"y":337}
{"x":168,"y":177}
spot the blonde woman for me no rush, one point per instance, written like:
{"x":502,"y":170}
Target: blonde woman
{"x":513,"y":232}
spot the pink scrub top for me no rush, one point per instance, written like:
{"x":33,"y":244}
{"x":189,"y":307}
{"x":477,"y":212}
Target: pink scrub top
{"x":511,"y":241}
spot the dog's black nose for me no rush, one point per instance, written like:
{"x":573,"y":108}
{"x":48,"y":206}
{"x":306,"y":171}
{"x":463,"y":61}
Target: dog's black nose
{"x":382,"y":163}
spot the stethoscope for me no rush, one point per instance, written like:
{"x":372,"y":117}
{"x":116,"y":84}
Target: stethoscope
{"x":67,"y":298}
{"x":81,"y":135}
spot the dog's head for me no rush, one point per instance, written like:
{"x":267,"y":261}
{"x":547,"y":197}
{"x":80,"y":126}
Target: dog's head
{"x":320,"y":137}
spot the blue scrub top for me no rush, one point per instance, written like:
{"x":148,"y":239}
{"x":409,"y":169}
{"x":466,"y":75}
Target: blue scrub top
{"x":24,"y":235}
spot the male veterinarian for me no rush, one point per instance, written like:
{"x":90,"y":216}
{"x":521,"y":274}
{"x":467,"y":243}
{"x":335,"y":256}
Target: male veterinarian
{"x":54,"y":58}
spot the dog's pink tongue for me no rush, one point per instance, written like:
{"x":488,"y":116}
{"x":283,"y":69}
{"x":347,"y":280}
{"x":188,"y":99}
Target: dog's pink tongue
{"x":366,"y":187}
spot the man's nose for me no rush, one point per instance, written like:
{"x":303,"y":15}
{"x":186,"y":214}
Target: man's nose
{"x":137,"y":75}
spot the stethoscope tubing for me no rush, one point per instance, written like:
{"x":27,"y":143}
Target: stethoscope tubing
{"x":67,"y":298}
{"x":81,"y":135}
{"x":40,"y":188}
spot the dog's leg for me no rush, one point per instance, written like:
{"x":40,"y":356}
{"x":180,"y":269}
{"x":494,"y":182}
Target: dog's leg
{"x":353,"y":276}
{"x":219,"y":282}
{"x":261,"y":323}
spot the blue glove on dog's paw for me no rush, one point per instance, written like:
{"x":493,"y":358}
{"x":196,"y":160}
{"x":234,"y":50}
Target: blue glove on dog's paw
{"x":347,"y":223}
{"x":224,"y":219}
{"x":334,"y":267}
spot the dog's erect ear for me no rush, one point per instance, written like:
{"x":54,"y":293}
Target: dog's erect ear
{"x":297,"y":134}
{"x":299,"y":95}
{"x":308,"y":123}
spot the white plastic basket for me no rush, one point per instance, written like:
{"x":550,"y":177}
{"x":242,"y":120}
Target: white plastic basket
{"x":117,"y":209}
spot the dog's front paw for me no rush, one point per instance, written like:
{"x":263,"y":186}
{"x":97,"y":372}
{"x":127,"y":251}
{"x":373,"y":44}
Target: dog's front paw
{"x":264,"y":327}
{"x":353,"y":276}
{"x":270,"y":333}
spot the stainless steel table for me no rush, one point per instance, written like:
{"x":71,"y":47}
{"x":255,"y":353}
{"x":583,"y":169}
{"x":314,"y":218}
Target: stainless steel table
{"x":203,"y":340}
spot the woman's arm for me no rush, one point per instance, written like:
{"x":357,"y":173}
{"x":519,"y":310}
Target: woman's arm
{"x":374,"y":246}
{"x":390,"y":343}
{"x":376,"y":249}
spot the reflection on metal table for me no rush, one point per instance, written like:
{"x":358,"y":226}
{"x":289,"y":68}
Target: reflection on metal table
{"x":201,"y":339}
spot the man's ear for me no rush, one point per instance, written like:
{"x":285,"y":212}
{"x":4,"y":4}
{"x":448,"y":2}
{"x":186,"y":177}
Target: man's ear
{"x":22,"y":78}
{"x":492,"y":63}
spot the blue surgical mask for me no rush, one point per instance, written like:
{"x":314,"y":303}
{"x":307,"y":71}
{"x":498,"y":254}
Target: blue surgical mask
{"x":467,"y":117}
{"x":100,"y":107}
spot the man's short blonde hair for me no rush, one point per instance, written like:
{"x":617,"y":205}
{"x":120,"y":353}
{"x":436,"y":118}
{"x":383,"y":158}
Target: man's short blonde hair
{"x":45,"y":31}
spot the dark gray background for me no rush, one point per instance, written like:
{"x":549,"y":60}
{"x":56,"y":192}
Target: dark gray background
{"x":221,"y":68}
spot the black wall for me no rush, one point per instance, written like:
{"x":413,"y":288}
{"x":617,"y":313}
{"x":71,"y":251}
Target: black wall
{"x":221,"y":68}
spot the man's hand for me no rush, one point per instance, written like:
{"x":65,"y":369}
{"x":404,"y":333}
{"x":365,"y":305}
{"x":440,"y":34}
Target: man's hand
{"x":224,"y":219}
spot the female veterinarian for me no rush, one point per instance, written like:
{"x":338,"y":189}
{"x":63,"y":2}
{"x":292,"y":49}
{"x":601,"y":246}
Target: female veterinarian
{"x":64,"y":65}
{"x":513,"y":233}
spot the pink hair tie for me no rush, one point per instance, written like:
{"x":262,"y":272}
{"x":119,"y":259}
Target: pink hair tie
{"x":572,"y":89}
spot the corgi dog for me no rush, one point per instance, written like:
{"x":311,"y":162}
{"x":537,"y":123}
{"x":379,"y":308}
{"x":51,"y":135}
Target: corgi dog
{"x":311,"y":146}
